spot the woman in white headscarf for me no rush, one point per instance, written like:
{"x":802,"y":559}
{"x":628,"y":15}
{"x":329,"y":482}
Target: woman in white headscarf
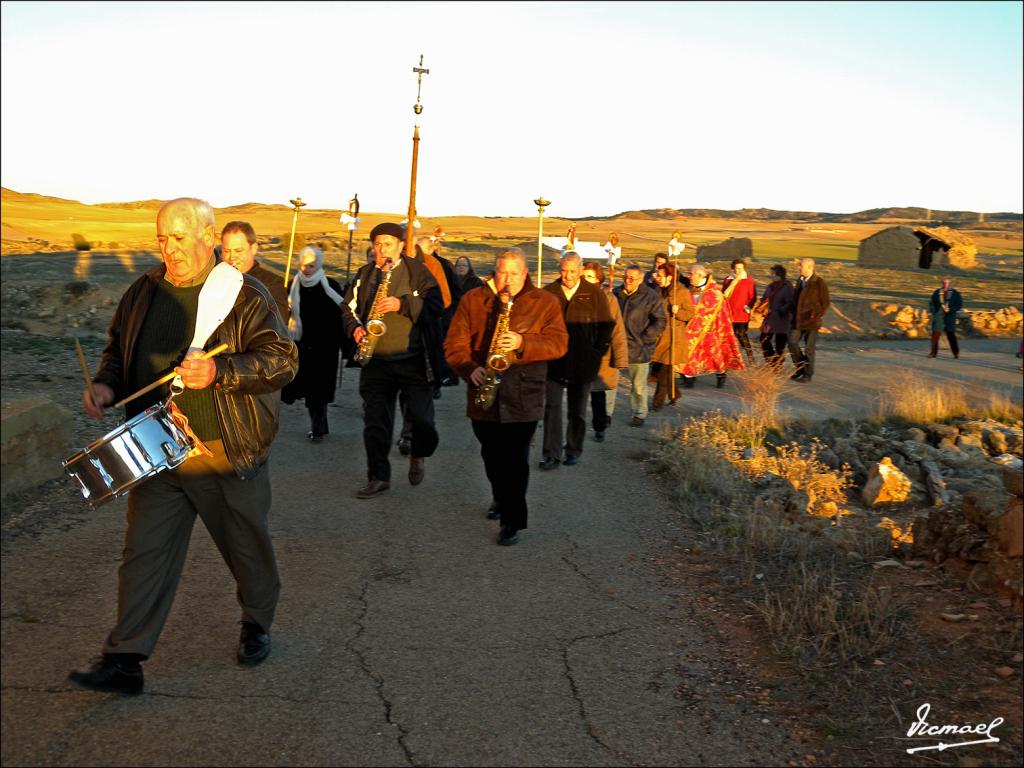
{"x":315,"y":324}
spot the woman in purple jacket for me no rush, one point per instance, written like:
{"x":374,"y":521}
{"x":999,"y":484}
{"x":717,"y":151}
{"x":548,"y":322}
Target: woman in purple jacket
{"x":778,"y":295}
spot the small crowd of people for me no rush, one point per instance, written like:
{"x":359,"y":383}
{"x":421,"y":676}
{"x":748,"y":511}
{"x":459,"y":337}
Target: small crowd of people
{"x":412,"y":322}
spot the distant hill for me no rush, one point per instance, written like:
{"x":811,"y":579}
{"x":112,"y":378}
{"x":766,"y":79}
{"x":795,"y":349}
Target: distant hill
{"x":950,"y":218}
{"x":955,"y":219}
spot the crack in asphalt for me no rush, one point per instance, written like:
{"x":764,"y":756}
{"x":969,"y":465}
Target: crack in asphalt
{"x":578,"y":697}
{"x":594,"y":586}
{"x":378,"y":681}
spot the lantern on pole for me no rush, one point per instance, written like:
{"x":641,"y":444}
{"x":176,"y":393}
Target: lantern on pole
{"x":351,"y":219}
{"x":541,"y":204}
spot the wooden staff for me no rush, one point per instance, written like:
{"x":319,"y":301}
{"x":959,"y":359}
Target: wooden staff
{"x":85,"y":370}
{"x":297,"y":202}
{"x":410,"y":228}
{"x":150,"y":387}
{"x":672,"y":331}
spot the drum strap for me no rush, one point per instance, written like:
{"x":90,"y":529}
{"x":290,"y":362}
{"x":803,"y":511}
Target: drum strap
{"x":198,"y":446}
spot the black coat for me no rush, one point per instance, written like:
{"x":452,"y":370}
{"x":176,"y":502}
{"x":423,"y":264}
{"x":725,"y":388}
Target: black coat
{"x":590,"y":324}
{"x":322,"y":333}
{"x":643,"y":314}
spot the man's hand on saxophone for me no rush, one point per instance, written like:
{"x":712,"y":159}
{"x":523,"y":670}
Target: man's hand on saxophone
{"x":389,"y":304}
{"x":510,"y":341}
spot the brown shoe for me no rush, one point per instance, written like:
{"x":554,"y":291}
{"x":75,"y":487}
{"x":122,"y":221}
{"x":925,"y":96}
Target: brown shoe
{"x":372,"y":488}
{"x":416,"y":470}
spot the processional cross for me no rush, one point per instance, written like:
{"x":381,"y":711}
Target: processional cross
{"x":420,"y":72}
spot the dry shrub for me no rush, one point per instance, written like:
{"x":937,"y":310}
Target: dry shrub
{"x":759,"y":388}
{"x":801,"y":467}
{"x":818,"y":618}
{"x":916,"y":398}
{"x":700,"y":461}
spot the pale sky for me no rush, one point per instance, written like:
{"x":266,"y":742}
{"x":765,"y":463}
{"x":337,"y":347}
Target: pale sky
{"x":600,"y":107}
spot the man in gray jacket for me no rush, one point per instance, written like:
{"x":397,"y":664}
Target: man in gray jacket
{"x":644,"y":318}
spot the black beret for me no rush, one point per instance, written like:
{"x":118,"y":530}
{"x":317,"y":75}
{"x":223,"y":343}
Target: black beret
{"x":387,"y":228}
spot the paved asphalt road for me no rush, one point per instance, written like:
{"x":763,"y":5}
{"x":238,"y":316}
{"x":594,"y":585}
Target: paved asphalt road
{"x":404,"y":635}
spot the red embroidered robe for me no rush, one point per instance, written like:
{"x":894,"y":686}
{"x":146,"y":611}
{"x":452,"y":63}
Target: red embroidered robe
{"x":712,"y":343}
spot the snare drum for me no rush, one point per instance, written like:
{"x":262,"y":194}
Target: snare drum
{"x":138,"y":449}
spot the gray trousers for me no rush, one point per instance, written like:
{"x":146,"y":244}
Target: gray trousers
{"x":161,"y":513}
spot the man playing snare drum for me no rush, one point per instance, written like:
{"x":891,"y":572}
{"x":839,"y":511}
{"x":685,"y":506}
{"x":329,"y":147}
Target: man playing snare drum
{"x":232,"y":404}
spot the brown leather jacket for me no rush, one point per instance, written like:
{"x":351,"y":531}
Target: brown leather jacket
{"x":537,"y":315}
{"x":260,"y":359}
{"x":812,"y":301}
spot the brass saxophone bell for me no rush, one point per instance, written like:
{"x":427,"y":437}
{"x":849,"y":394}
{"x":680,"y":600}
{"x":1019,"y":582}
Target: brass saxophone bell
{"x":376,"y":327}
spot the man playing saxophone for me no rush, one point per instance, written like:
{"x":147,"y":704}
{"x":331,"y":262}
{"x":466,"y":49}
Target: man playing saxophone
{"x":535,"y":334}
{"x":403,"y":296}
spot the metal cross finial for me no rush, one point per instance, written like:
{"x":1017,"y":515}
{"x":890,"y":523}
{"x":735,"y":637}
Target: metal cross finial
{"x":420,"y":72}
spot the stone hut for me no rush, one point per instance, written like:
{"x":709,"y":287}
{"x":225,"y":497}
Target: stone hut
{"x":727,"y":250}
{"x":920,"y":247}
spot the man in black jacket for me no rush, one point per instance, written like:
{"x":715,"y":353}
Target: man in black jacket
{"x":232,"y":403}
{"x":239,"y":248}
{"x":643,"y":314}
{"x":399,"y":361}
{"x":589,"y":322}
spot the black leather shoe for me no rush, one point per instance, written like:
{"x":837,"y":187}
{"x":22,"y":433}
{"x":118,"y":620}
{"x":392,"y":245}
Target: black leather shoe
{"x":404,"y":446}
{"x":109,"y":675}
{"x":253,"y":644}
{"x":571,"y":460}
{"x":689,"y":382}
{"x":719,"y":383}
{"x":508,"y":536}
{"x":599,"y":436}
{"x":492,"y":511}
{"x":636,"y":422}
{"x":550,"y":463}
{"x":372,"y":488}
{"x":417,"y":469}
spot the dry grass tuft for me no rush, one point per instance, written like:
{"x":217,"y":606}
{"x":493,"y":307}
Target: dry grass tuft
{"x":911,"y":396}
{"x":817,"y":616}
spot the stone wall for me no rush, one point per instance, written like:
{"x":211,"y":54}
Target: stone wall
{"x":727,"y":250}
{"x":36,"y":438}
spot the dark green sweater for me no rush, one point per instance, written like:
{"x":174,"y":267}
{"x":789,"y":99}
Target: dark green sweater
{"x":163,"y":340}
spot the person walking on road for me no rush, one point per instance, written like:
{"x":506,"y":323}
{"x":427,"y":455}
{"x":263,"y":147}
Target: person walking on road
{"x":810,"y":297}
{"x":644,"y":319}
{"x":944,"y":305}
{"x":231,"y":402}
{"x":589,"y":323}
{"x":535,"y":334}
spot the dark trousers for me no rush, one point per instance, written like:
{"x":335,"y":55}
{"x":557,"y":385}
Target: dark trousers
{"x":577,"y":394}
{"x":742,"y":331}
{"x":663,"y":389}
{"x":505,"y":449}
{"x":599,"y":418}
{"x":317,"y":418}
{"x":161,"y":514}
{"x":803,"y":359}
{"x":774,"y":347}
{"x":380,"y":381}
{"x":953,"y":346}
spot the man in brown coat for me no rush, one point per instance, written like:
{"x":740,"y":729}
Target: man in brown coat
{"x":536,"y":333}
{"x":811,"y":300}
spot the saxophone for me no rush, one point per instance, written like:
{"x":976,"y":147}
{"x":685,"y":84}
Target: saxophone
{"x":497,"y":362}
{"x":375,"y":327}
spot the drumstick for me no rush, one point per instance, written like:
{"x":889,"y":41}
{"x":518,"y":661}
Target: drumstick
{"x":149,"y":388}
{"x":85,"y":369}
